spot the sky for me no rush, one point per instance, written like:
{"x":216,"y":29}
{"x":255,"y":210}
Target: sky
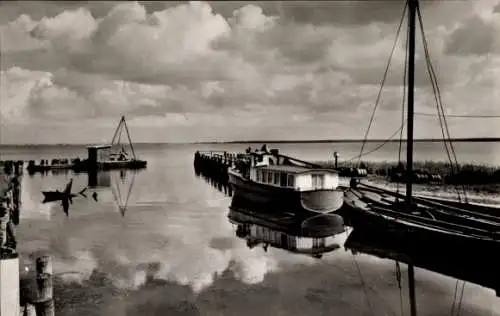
{"x":219,"y":71}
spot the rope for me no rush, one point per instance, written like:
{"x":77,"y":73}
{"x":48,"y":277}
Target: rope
{"x":363,"y":285}
{"x":461,"y":298}
{"x":437,"y":96}
{"x":454,"y":298}
{"x":382,"y":84}
{"x":379,"y":146}
{"x":462,"y":115}
{"x":398,"y":278}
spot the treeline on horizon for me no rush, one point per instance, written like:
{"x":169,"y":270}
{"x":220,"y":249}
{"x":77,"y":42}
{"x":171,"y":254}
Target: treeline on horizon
{"x":466,"y":173}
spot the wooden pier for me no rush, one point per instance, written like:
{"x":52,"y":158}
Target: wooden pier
{"x":31,"y":295}
{"x":214,"y":164}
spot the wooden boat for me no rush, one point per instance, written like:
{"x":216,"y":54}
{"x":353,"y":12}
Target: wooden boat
{"x":66,"y":197}
{"x":114,"y":156}
{"x":268,"y":177}
{"x":427,"y":223}
{"x":282,"y":229}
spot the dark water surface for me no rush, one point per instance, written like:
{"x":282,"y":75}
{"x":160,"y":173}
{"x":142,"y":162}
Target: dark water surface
{"x":174,"y":252}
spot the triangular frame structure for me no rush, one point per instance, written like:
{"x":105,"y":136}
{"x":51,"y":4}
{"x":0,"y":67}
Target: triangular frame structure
{"x":118,"y":133}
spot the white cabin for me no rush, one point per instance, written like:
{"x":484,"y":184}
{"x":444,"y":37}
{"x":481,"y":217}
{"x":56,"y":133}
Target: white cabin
{"x":298,"y":178}
{"x":283,"y":240}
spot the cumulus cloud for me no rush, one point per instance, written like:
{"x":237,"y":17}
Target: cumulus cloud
{"x":202,"y":64}
{"x":476,"y":36}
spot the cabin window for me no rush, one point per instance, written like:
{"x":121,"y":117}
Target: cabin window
{"x":283,"y":179}
{"x":318,"y":243}
{"x":276,"y":178}
{"x":317,"y":180}
{"x":269,"y":177}
{"x":259,"y":175}
{"x":290,"y":182}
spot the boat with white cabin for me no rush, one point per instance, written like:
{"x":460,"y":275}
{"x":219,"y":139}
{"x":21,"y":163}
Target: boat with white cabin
{"x":267,"y":177}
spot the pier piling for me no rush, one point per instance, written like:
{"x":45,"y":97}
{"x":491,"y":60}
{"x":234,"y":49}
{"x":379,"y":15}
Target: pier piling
{"x":9,"y":259}
{"x":213,"y":166}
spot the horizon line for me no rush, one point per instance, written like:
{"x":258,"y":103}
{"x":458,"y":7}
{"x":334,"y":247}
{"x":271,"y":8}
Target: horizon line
{"x":296,"y":141}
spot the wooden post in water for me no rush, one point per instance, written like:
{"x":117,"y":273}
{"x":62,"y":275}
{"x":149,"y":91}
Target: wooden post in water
{"x":336,"y":155}
{"x":9,"y":260}
{"x":44,"y":304}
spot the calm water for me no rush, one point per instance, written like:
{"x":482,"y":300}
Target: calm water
{"x":174,"y":251}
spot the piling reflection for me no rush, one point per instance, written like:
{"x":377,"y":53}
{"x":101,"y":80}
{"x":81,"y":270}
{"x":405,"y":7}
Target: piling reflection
{"x":261,"y":225}
{"x":463,"y":265}
{"x":221,"y":186}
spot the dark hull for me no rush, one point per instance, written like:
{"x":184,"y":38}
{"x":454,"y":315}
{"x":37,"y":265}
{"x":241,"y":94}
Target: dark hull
{"x":437,"y":239}
{"x":51,"y":196}
{"x":320,"y":201}
{"x":85,"y":167}
{"x":457,"y":264}
{"x":128,"y":164}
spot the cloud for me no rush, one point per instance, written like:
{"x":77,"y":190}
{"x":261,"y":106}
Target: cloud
{"x":218,"y":66}
{"x":476,"y":36}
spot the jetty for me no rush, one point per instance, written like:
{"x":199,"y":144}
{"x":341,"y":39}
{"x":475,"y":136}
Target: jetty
{"x":31,"y":294}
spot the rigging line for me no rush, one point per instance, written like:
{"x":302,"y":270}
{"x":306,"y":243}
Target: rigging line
{"x":363,"y":284}
{"x":379,"y":146}
{"x":438,"y":94}
{"x":398,"y":278}
{"x":461,"y":298}
{"x":383,"y":81}
{"x":436,"y":85}
{"x":435,"y":92}
{"x":460,"y":115}
{"x":454,"y":298}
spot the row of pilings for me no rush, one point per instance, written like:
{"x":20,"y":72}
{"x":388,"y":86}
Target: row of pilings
{"x":214,"y":165}
{"x":12,"y":167}
{"x":30,"y":294}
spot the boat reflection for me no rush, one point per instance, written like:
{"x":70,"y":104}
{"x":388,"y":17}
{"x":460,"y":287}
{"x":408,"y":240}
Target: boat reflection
{"x":119,"y":182}
{"x":259,"y":225}
{"x":464,"y":265}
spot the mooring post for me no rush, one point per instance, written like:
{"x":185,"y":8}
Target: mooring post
{"x":9,"y":260}
{"x":44,"y":303}
{"x":29,"y":310}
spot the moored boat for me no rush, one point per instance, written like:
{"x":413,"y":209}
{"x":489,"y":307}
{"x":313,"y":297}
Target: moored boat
{"x":280,"y":228}
{"x":106,"y":157}
{"x":268,"y":177}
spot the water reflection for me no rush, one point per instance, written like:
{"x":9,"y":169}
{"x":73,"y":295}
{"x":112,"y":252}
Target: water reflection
{"x":176,"y":253}
{"x":461,"y":266}
{"x":214,"y":182}
{"x":262,"y":226}
{"x":65,"y":196}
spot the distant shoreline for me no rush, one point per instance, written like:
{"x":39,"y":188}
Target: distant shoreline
{"x":298,"y":141}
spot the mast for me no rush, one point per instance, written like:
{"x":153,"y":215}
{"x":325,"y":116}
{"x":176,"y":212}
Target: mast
{"x":412,"y":6}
